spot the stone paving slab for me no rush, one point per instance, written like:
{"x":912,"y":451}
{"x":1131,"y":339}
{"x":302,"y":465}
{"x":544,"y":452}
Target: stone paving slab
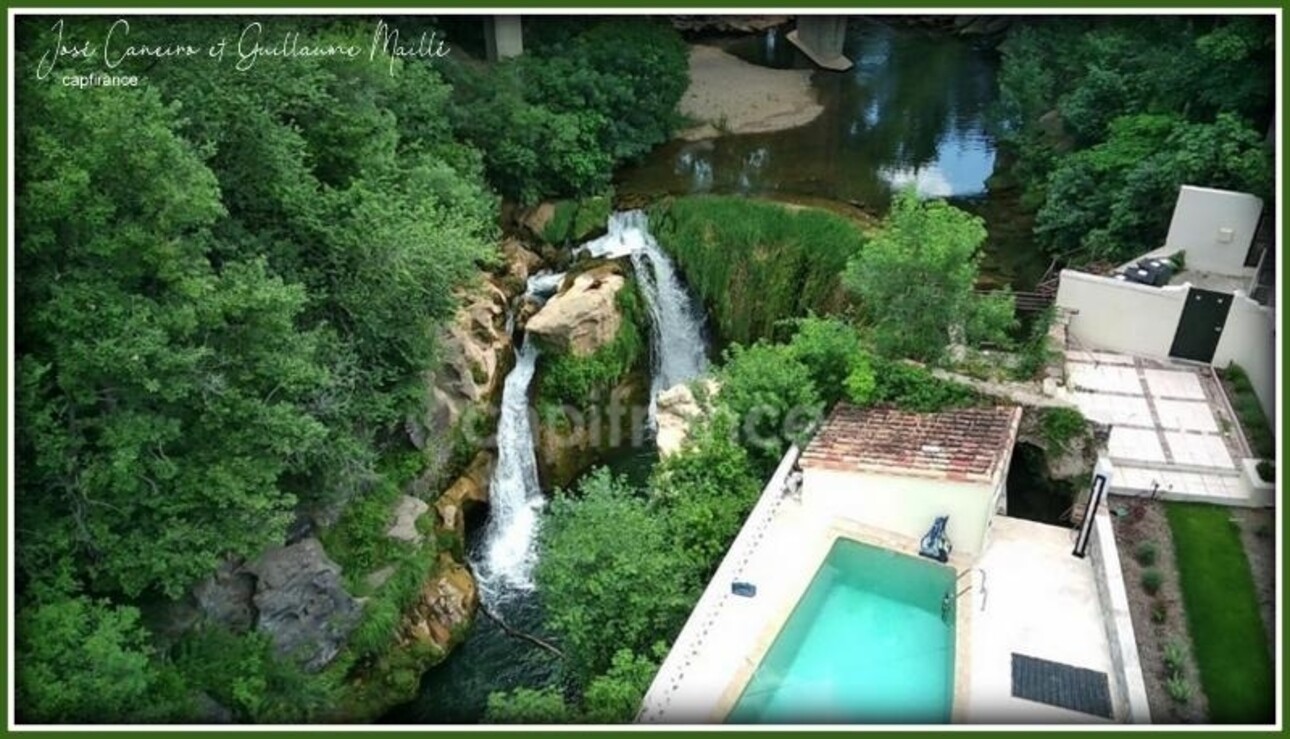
{"x":1104,"y":378}
{"x":1135,"y":445}
{"x":1177,"y":384}
{"x":1186,"y":415}
{"x":1119,"y":410}
{"x":1199,"y":450}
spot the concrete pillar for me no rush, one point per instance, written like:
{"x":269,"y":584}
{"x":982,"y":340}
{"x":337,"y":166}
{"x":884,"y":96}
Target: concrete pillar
{"x":820,"y":37}
{"x":502,"y":37}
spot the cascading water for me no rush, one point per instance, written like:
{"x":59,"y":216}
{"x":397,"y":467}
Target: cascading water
{"x":505,"y":558}
{"x":676,"y":324}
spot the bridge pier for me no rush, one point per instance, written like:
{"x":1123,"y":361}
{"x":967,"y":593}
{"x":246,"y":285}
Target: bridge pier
{"x":820,"y":37}
{"x":502,"y":37}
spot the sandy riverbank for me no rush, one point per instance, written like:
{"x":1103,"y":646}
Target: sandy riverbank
{"x":729,"y":95}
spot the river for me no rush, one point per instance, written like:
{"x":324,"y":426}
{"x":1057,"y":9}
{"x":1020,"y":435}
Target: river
{"x":914,"y":111}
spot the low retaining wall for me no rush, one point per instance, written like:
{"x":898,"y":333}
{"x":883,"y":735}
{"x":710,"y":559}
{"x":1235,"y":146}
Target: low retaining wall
{"x":1119,"y":624}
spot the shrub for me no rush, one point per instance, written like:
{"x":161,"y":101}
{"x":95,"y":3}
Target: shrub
{"x":1151,"y":581}
{"x":1146,"y":553}
{"x":1061,"y":426}
{"x":913,"y":388}
{"x":1175,"y":657}
{"x":527,"y":706}
{"x":1178,"y":688}
{"x":1035,"y":354}
{"x":830,"y":350}
{"x":1267,"y":471}
{"x":861,"y":383}
{"x":1250,"y":412}
{"x":614,"y":697}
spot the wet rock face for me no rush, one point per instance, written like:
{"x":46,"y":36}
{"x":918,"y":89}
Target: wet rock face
{"x":302,"y":603}
{"x":584,"y":316}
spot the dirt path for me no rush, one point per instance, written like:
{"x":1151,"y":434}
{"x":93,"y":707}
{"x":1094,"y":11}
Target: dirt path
{"x":729,"y":95}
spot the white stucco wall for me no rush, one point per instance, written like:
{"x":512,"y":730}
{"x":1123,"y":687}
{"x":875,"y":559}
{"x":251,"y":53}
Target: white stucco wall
{"x":1214,"y":228}
{"x":905,"y":505}
{"x":1249,"y":339}
{"x":1120,"y":316}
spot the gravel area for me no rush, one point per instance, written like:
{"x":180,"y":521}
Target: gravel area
{"x":1144,"y":521}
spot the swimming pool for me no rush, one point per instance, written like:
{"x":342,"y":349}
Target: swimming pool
{"x":867,"y":643}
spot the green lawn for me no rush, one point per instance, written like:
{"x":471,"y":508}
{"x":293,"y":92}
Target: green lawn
{"x":1231,"y":650}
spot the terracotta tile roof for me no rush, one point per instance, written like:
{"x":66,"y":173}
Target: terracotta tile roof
{"x":964,"y":444}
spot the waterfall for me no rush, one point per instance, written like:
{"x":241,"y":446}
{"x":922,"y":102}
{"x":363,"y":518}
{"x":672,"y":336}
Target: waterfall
{"x":676,"y":323}
{"x":508,"y":552}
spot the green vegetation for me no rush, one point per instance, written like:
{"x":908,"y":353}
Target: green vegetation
{"x":772,"y":397}
{"x":575,"y":220}
{"x":753,"y":262}
{"x":1249,"y":411}
{"x":1034,"y":354}
{"x":1146,"y":553}
{"x":1236,"y":669}
{"x":1151,"y":581}
{"x":527,"y":706}
{"x":568,"y":380}
{"x":1061,"y":426}
{"x":555,"y":121}
{"x":1267,"y":471}
{"x":915,"y":278}
{"x":1106,"y":118}
{"x":912,"y":388}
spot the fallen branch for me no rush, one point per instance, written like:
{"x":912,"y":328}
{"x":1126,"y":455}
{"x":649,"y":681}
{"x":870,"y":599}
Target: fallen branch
{"x":520,"y":634}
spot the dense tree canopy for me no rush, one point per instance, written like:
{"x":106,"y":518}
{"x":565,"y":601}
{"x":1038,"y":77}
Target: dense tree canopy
{"x":1109,"y":116}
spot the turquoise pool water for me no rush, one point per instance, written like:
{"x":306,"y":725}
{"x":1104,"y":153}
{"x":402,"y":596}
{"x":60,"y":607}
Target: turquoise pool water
{"x":867,"y":643}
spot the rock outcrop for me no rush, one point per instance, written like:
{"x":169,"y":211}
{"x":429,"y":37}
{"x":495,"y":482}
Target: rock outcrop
{"x":465,"y":494}
{"x":445,"y":607}
{"x":302,"y":603}
{"x":407,"y":510}
{"x":520,"y":261}
{"x":227,"y":597}
{"x":677,"y":410}
{"x":475,"y":350}
{"x":584,"y":316}
{"x":570,"y":445}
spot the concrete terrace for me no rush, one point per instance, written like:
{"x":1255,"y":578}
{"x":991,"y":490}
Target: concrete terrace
{"x":1023,"y":592}
{"x":1173,"y":432}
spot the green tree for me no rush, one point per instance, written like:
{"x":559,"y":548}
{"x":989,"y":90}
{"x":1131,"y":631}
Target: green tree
{"x":829,"y":349}
{"x":770,"y":399}
{"x":608,"y":575}
{"x":615,"y":697}
{"x":915,"y":278}
{"x":163,"y":400}
{"x":81,"y":660}
{"x":706,"y":490}
{"x":527,"y":706}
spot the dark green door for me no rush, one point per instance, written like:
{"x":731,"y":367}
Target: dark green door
{"x":1201,"y":325}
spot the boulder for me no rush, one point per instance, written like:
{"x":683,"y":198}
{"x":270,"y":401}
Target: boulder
{"x":445,"y":607}
{"x":676,"y":410}
{"x":520,"y":262}
{"x":406,"y":512}
{"x":227,"y":597}
{"x":302,"y":603}
{"x":475,"y":349}
{"x":584,"y":316}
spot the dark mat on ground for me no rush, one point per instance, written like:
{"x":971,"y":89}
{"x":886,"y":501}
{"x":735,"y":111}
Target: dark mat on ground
{"x":1064,"y":686}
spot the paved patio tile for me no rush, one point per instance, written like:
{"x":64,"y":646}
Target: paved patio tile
{"x":1136,"y":445}
{"x":1199,"y":450}
{"x":1178,"y":384}
{"x":1119,"y":410}
{"x":1104,"y":378}
{"x":1186,"y":415}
